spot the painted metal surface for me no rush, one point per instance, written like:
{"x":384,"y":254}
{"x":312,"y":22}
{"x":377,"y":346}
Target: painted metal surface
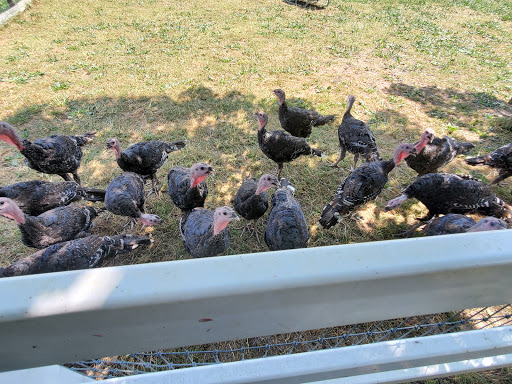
{"x":385,"y":362}
{"x":71,"y":316}
{"x":52,"y":374}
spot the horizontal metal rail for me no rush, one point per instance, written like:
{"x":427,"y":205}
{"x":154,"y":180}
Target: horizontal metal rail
{"x":386,"y":362}
{"x":71,"y":316}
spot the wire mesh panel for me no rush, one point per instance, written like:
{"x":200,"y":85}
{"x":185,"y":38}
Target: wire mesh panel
{"x":297,"y":342}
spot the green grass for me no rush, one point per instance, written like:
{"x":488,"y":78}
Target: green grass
{"x":143,"y":70}
{"x":4,"y":5}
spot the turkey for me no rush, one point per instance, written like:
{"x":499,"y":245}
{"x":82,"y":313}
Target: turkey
{"x":457,"y":223}
{"x":356,"y":137}
{"x":500,"y":159}
{"x":204,"y":232}
{"x":56,"y":225}
{"x":37,"y":196}
{"x":281,"y":147}
{"x":362,"y":185}
{"x":144,"y":158}
{"x":187,"y":186}
{"x":88,"y":252}
{"x":56,"y":154}
{"x":297,"y":121}
{"x":286,"y":224}
{"x":251,"y":200}
{"x":444,"y":193}
{"x":434,"y":152}
{"x":125,"y":197}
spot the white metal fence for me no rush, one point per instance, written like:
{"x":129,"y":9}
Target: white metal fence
{"x":229,"y":305}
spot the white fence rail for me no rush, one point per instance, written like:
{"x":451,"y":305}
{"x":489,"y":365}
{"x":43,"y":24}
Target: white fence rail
{"x":71,"y":316}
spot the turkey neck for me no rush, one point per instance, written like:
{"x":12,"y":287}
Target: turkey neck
{"x":283,"y":106}
{"x":195,"y":181}
{"x":262,"y":131}
{"x":387,"y":165}
{"x":218,"y":227}
{"x":421,"y":144}
{"x":122,"y":159}
{"x":260,"y":190}
{"x":15,"y":140}
{"x":16,"y":214}
{"x":351,"y":101}
{"x":117,"y":152}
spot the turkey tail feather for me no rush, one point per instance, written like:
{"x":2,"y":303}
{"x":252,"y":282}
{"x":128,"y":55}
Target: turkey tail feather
{"x":324,"y":120}
{"x":85,"y":138}
{"x":316,"y":152}
{"x":93,"y":194}
{"x":478,"y":160}
{"x":464,"y":148}
{"x":127,"y":242}
{"x":175,"y":146}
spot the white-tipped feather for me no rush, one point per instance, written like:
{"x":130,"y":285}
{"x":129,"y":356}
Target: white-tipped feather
{"x":181,"y":228}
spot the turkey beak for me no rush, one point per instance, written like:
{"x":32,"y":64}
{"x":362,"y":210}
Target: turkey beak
{"x":109,"y":145}
{"x":234,"y":216}
{"x":210,"y":171}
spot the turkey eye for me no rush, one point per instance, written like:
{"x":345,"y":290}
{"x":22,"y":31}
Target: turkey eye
{"x":493,"y":224}
{"x":224,"y":213}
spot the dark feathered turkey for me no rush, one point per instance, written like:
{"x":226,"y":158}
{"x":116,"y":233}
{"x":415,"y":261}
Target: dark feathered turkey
{"x":286,"y":226}
{"x":144,"y":158}
{"x":500,"y":159}
{"x":56,"y":154}
{"x":251,"y":199}
{"x":444,"y":193}
{"x":434,"y":152}
{"x":205,"y":233}
{"x":299,"y":122}
{"x":363,"y":184}
{"x":56,"y":225}
{"x":448,"y":224}
{"x":37,"y":196}
{"x":457,"y":223}
{"x":125,"y":197}
{"x":356,"y":137}
{"x":187,"y":186}
{"x":88,"y":252}
{"x":280,"y":146}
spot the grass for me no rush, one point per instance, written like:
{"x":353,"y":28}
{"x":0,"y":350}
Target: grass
{"x":4,"y":5}
{"x":147,"y":69}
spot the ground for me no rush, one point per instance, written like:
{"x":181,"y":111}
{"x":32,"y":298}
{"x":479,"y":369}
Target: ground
{"x":142,"y":70}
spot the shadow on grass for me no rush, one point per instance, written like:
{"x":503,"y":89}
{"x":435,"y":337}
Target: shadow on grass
{"x":195,"y":102}
{"x":313,"y":5}
{"x":450,"y":105}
